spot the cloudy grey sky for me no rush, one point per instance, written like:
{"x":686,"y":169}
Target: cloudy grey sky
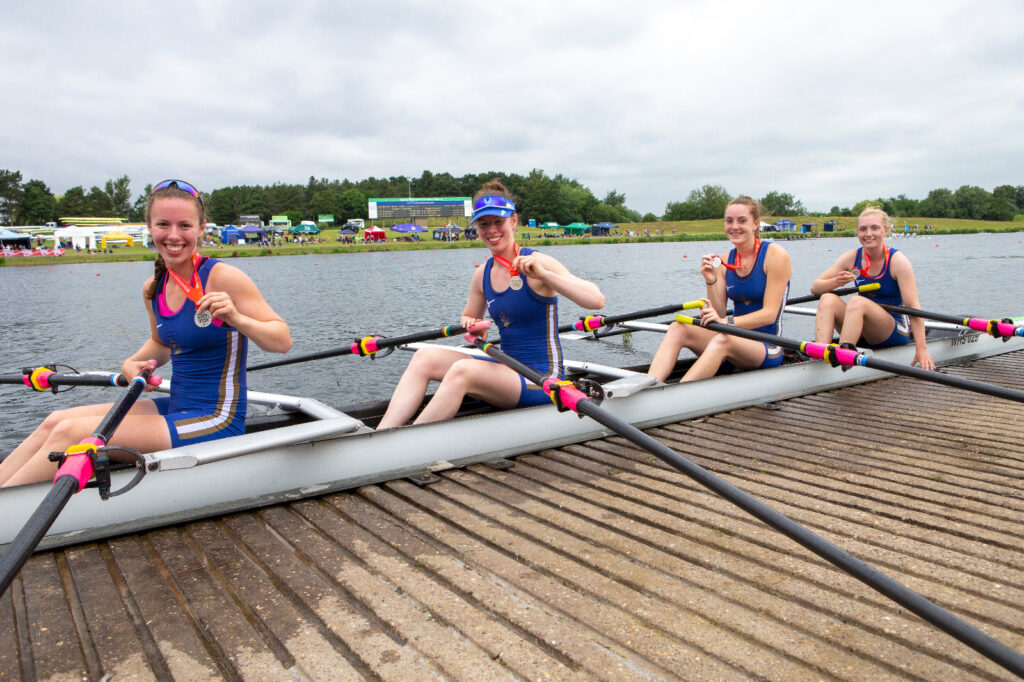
{"x":652,"y":99}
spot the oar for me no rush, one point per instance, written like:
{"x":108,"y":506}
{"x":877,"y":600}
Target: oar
{"x":593,"y":322}
{"x":997,"y":328}
{"x":838,"y":292}
{"x":75,"y":471}
{"x":566,"y":396}
{"x":836,"y":355}
{"x":47,"y":378}
{"x":368,"y":345}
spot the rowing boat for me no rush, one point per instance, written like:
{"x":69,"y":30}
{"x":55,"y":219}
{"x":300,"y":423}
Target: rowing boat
{"x":302,"y":447}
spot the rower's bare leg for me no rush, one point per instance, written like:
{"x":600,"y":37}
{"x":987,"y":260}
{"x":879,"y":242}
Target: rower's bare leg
{"x":31,"y":445}
{"x":867,"y":319}
{"x":829,"y":318}
{"x":427,"y":364}
{"x":495,"y":384}
{"x":677,"y":337}
{"x":145,"y":432}
{"x":742,"y":353}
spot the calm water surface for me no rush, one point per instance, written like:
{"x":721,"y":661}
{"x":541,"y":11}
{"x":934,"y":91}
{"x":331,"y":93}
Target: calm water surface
{"x":92,"y":316}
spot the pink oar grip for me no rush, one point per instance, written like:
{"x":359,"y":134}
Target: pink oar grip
{"x":155,"y":380}
{"x":978,"y":324}
{"x":477,"y":327}
{"x":79,"y":465}
{"x":568,"y":394}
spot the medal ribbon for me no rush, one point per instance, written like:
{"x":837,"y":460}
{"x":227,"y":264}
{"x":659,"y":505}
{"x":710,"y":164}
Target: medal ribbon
{"x":507,"y":263}
{"x":867,"y":259}
{"x":739,"y":261}
{"x":194,"y":289}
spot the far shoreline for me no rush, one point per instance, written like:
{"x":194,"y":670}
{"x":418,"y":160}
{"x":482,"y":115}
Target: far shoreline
{"x":332,"y":246}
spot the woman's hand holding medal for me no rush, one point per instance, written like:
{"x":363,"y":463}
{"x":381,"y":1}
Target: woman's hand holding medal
{"x":216,"y":304}
{"x":531,"y":266}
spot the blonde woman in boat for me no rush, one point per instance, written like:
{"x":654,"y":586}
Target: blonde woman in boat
{"x":520,"y":289}
{"x":755,"y":276}
{"x":202,"y":313}
{"x":861,"y":321}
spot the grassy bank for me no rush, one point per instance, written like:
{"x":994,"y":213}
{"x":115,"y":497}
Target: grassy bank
{"x":701,"y":230}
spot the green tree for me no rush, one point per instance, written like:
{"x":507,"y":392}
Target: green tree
{"x":73,"y":203}
{"x":781,"y":204}
{"x":354,"y":204}
{"x":10,"y":194}
{"x":1019,"y":198}
{"x":682,"y":210}
{"x":98,"y":203}
{"x":904,"y":206}
{"x":711,"y":201}
{"x":649,"y":218}
{"x":327,"y":201}
{"x":1007,"y":193}
{"x":120,"y":194}
{"x":938,"y":204}
{"x":972,"y":202}
{"x":37,"y":205}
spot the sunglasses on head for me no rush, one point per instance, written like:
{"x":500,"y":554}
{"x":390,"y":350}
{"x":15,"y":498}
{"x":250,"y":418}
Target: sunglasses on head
{"x":179,"y":184}
{"x":493,"y":201}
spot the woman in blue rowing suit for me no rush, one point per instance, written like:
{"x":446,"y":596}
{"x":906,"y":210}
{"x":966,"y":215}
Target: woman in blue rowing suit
{"x":862,"y":321}
{"x":755,"y":276}
{"x":201,"y":315}
{"x":519,"y":288}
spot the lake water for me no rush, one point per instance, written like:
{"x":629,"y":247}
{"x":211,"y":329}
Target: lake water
{"x":92,"y":316}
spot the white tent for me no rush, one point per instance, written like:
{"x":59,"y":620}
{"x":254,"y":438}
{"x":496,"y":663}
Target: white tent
{"x":80,"y":237}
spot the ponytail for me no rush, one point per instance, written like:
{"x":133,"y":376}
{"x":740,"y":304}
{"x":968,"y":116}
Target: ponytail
{"x":159,"y":270}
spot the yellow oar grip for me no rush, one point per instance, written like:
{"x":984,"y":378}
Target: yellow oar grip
{"x":869,"y":287}
{"x":690,"y":305}
{"x":685,"y":319}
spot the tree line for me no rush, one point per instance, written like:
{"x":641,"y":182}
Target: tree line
{"x":558,"y":199}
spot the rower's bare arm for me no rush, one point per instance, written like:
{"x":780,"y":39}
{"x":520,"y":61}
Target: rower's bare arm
{"x":245,"y":309}
{"x":476,"y":304}
{"x":904,"y":274}
{"x":836,"y":276}
{"x":557,"y":277}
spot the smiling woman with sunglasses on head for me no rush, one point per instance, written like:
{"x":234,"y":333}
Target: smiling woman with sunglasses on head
{"x":201,"y":315}
{"x":862,"y":321}
{"x":519,"y":288}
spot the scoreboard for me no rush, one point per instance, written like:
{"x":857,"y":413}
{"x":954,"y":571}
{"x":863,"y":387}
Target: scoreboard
{"x":433,"y":207}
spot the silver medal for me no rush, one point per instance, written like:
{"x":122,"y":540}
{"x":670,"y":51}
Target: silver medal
{"x":716,"y":262}
{"x":515,"y":283}
{"x":203,"y":318}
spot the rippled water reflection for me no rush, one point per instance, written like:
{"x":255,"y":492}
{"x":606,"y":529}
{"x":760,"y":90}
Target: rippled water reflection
{"x":91,"y":316}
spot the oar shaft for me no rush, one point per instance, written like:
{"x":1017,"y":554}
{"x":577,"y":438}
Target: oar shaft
{"x":929,"y":611}
{"x":596,"y":321}
{"x":374,"y":343}
{"x":27,"y":539}
{"x":71,"y":477}
{"x":48,"y":379}
{"x":851,"y":358}
{"x":994,"y":327}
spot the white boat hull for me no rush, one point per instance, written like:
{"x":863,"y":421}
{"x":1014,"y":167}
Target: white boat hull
{"x":338,"y":452}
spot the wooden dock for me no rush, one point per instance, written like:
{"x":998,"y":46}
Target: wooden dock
{"x":592,"y":561}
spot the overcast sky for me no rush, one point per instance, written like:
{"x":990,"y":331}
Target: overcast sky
{"x":651,"y":99}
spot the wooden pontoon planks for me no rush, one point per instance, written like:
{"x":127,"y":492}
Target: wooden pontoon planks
{"x":590,"y":561}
